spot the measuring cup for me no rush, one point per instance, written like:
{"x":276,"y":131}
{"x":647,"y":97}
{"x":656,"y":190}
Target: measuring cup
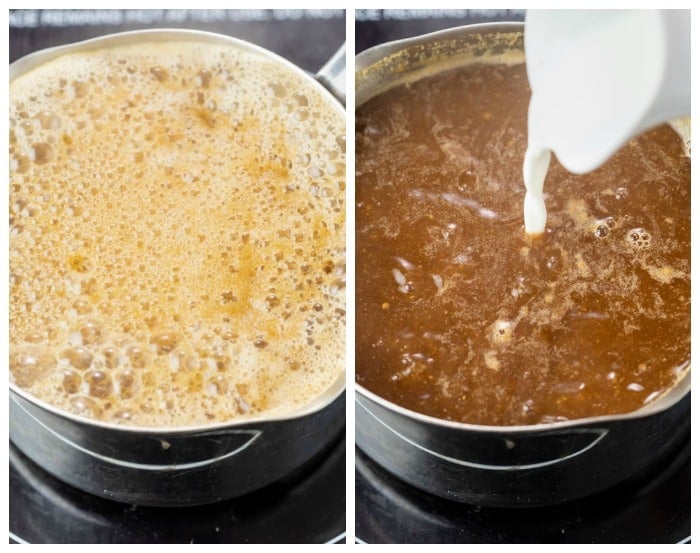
{"x":600,"y":77}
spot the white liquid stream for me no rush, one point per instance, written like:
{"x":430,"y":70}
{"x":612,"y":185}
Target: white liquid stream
{"x":534,"y":172}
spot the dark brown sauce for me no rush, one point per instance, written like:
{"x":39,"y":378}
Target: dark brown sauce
{"x":463,"y":317}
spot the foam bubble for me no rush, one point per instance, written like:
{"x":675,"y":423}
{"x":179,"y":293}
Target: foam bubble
{"x":165,"y":342}
{"x":501,"y":332}
{"x":126,"y":383}
{"x":79,"y":357}
{"x":85,"y":406}
{"x":41,"y":153}
{"x":92,"y":332}
{"x":638,"y":239}
{"x":30,"y":363}
{"x":100,"y":384}
{"x":71,"y":381}
{"x":621,"y":193}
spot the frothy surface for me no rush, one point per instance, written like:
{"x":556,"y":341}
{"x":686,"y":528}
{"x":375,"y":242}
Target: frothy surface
{"x":176,"y":235}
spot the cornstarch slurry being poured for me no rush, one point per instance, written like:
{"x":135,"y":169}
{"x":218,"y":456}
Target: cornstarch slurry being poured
{"x":598,"y":78}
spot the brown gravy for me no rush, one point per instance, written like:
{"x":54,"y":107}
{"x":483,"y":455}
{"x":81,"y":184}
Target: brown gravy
{"x":460,"y":315}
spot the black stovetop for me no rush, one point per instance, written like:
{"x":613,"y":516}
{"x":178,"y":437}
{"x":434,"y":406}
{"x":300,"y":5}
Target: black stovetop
{"x":654,"y":508}
{"x":307,"y":38}
{"x":308,"y":507}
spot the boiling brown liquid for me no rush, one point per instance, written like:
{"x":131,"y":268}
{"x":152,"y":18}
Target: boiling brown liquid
{"x":176,"y":235}
{"x":462,"y":316}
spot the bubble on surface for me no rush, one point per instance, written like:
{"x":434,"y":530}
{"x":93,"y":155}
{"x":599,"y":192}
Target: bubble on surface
{"x":30,"y":363}
{"x":100,"y":384}
{"x":138,"y":356}
{"x":20,"y":164}
{"x":621,"y":193}
{"x":204,"y":78}
{"x":278,"y":89}
{"x":41,"y":153}
{"x":71,"y":382}
{"x":79,"y":357}
{"x":501,"y":332}
{"x":165,"y":342}
{"x":48,"y":120}
{"x":159,"y":73}
{"x":638,"y":239}
{"x":126,"y":382}
{"x":86,"y":406}
{"x":601,"y":231}
{"x":112,"y":357}
{"x":80,"y":89}
{"x":92,"y":332}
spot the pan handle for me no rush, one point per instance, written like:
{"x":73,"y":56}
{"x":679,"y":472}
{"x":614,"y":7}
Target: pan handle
{"x":332,"y":74}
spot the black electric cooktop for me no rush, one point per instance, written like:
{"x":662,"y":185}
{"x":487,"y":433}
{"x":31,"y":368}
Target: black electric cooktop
{"x":308,"y":507}
{"x":654,"y":508}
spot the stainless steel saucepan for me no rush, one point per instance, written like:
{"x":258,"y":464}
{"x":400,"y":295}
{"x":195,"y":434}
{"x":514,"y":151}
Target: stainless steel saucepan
{"x":506,"y":466}
{"x":188,"y":465}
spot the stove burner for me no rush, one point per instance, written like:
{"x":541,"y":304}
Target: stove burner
{"x":651,"y":509}
{"x":307,"y":507}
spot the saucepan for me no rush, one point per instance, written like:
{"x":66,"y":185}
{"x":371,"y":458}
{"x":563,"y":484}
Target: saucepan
{"x":502,"y":466}
{"x":187,"y":465}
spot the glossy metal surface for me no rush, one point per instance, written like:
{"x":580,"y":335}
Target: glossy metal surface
{"x":513,"y":465}
{"x":45,"y":510}
{"x":654,"y":508}
{"x":175,"y":466}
